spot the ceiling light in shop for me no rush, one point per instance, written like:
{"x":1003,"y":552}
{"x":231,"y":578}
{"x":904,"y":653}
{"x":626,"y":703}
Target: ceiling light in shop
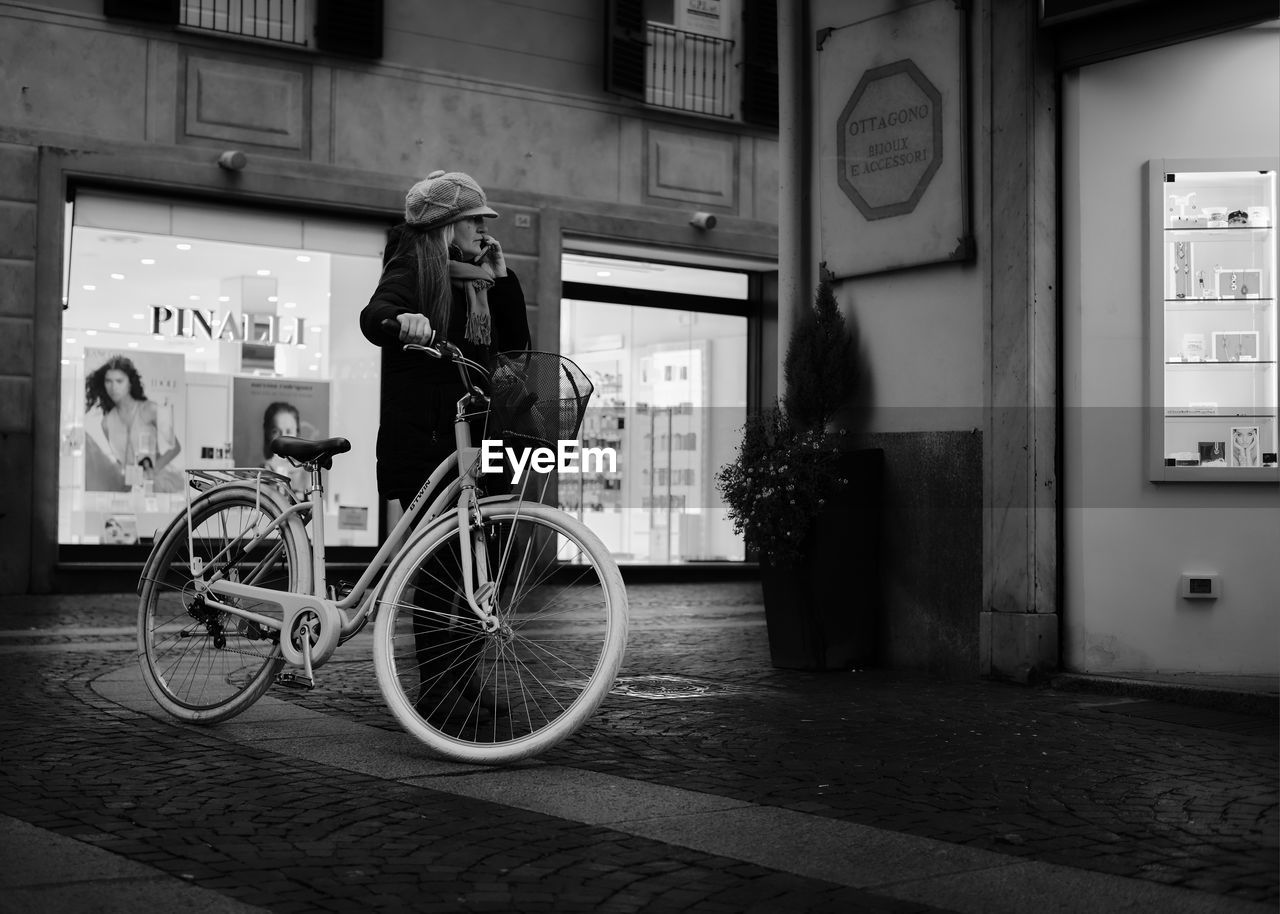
{"x":148,"y":261}
{"x":316,"y":329}
{"x":117,"y":276}
{"x":303,"y":258}
{"x":91,"y":333}
{"x":139,"y":317}
{"x":603,"y":273}
{"x":315,"y":367}
{"x":113,"y":325}
{"x":90,"y":288}
{"x":291,"y":304}
{"x":199,"y":350}
{"x":273,"y":298}
{"x":133,"y":345}
{"x":264,"y":272}
{"x":183,"y":247}
{"x":70,"y":341}
{"x":224,"y":298}
{"x":193,"y":298}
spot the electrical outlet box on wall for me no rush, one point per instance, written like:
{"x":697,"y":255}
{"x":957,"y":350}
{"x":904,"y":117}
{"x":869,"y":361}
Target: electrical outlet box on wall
{"x":1200,"y":587}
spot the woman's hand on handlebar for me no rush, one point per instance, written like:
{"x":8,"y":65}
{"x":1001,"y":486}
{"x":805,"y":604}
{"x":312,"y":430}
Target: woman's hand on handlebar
{"x":413,"y":328}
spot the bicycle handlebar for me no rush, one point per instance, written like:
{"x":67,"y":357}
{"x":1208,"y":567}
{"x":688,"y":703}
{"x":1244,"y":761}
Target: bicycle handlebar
{"x":392,"y":326}
{"x":441,"y":349}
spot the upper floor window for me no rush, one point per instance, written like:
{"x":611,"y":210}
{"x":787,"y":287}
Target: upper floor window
{"x":330,"y":26}
{"x":269,"y":20}
{"x":716,"y":58}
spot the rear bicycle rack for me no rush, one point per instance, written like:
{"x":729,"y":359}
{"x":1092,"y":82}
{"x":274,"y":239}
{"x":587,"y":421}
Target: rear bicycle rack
{"x":203,"y":481}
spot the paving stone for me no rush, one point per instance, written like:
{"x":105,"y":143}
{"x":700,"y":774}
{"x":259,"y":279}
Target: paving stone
{"x":1033,"y":775}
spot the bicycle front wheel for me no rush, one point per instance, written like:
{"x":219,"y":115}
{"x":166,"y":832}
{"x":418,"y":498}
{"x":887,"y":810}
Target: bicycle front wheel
{"x":501,"y":696}
{"x":203,"y":665}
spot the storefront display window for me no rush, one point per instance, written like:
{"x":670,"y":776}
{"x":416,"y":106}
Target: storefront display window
{"x":670,"y":400}
{"x":1213,"y":318}
{"x":192,"y":334}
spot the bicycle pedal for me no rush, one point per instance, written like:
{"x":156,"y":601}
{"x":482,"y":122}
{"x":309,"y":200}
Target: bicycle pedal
{"x":295,"y":680}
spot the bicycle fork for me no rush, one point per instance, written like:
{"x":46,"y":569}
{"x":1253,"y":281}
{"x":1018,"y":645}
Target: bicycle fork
{"x":480,"y":590}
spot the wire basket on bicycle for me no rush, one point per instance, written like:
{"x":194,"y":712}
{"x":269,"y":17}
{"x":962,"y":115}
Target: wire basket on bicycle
{"x":536,"y":398}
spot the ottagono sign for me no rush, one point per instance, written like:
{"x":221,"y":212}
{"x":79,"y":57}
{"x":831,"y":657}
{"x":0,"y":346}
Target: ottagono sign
{"x":889,"y":142}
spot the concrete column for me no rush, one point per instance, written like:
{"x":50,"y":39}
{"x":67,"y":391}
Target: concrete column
{"x":18,"y":166}
{"x":794,"y":268}
{"x":1019,"y":626}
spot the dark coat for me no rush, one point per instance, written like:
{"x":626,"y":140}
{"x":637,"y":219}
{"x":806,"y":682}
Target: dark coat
{"x":420,"y":393}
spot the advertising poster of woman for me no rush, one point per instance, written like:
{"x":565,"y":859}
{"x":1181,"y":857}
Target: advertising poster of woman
{"x":134,"y":403}
{"x":266,"y":408}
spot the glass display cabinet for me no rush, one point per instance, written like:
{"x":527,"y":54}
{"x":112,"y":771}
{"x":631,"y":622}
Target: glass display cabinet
{"x":1214,"y":384}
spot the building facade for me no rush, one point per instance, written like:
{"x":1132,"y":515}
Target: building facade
{"x":975,"y":180}
{"x":204,"y":189}
{"x":982,"y":182}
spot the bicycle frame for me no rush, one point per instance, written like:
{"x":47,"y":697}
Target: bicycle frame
{"x":319,"y":621}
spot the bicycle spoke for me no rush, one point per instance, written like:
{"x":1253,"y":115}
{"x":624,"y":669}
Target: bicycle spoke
{"x":200,"y":662}
{"x":534,"y":679}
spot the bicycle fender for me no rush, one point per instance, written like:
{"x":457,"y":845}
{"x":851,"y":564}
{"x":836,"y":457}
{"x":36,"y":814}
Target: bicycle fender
{"x":277,"y":500}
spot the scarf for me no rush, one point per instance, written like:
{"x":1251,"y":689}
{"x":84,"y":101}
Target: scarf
{"x":475,"y":281}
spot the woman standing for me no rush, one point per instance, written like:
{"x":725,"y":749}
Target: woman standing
{"x":443,"y":274}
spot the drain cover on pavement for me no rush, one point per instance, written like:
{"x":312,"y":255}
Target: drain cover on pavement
{"x":662,"y":687}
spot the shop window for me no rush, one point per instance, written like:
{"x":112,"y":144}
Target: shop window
{"x":194,"y":333}
{"x":668,"y":378}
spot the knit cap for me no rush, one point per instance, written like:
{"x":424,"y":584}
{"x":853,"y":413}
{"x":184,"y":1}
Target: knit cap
{"x":444,"y":197}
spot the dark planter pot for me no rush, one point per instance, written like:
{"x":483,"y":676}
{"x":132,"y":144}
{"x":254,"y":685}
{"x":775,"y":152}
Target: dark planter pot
{"x":821,"y":613}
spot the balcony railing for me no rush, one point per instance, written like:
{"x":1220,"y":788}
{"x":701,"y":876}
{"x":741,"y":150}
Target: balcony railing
{"x":688,"y":71}
{"x":281,"y":21}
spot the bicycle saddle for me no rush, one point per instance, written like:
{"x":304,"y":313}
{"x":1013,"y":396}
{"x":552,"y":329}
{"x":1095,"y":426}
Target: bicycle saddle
{"x":304,"y":450}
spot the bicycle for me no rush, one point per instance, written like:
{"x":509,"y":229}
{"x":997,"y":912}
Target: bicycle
{"x":501,"y":622}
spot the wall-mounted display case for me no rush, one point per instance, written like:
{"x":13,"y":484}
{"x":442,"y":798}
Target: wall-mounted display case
{"x":1213,"y":383}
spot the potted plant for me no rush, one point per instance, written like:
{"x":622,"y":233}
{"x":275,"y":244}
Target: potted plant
{"x":808,"y":504}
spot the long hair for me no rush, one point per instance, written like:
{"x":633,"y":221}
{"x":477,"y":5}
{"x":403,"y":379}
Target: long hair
{"x":428,"y":253}
{"x":95,"y":385}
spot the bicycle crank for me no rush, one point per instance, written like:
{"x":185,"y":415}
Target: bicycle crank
{"x":310,"y":635}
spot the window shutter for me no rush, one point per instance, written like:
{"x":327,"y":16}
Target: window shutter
{"x":760,"y":68}
{"x":351,"y":29}
{"x":624,"y":44}
{"x":164,"y":12}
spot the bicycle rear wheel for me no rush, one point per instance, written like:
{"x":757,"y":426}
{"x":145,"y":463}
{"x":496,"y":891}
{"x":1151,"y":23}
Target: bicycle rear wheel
{"x":497,"y":697}
{"x":200,"y":664}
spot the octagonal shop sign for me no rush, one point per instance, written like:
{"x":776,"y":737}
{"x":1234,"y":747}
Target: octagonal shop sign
{"x":889,"y":143}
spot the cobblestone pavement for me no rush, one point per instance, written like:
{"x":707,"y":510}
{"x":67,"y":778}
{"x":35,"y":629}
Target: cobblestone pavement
{"x":1080,"y":781}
